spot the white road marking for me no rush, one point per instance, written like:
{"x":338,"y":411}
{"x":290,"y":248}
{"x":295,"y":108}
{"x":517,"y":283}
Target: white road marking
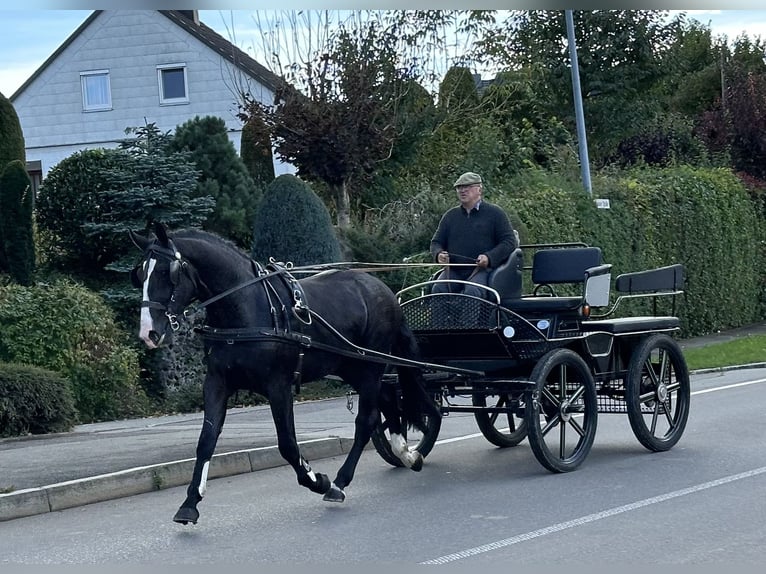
{"x":598,"y":515}
{"x":592,"y":517}
{"x":726,"y":387}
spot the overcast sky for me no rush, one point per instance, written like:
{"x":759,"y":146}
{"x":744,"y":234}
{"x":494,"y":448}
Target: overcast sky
{"x":29,"y":37}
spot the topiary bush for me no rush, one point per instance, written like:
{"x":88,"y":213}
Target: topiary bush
{"x":34,"y":400}
{"x":64,"y":327}
{"x":292,"y":224}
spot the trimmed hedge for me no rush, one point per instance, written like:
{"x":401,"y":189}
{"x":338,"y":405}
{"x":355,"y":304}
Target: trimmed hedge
{"x":702,"y":218}
{"x":34,"y":400}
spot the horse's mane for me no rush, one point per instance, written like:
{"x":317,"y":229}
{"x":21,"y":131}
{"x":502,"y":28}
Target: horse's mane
{"x":209,"y":237}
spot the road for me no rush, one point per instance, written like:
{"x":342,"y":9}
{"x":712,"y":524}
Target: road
{"x":473,"y":504}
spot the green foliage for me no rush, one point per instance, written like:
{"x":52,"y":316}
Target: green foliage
{"x":11,"y":148}
{"x":89,"y":201}
{"x":65,"y":328}
{"x":34,"y":400}
{"x":11,"y":136}
{"x":255,"y":151}
{"x":223,"y":176}
{"x":16,"y":201}
{"x":702,"y":218}
{"x":292,"y":224}
{"x":68,"y":198}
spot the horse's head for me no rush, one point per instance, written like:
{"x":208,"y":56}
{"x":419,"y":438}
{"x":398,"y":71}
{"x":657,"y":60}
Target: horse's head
{"x":168,"y":284}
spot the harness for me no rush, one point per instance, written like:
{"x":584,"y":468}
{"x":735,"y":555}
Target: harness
{"x":282,"y":324}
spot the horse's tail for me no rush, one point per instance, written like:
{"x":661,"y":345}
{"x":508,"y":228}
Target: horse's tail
{"x":416,"y":402}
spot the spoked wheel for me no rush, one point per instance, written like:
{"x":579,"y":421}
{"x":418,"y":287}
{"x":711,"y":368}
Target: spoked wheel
{"x":562,"y":411}
{"x":422,"y":442}
{"x":657,"y":392}
{"x":503,"y":429}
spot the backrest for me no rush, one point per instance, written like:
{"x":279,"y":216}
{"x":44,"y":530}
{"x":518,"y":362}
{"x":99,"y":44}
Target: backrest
{"x":668,"y":278}
{"x":564,"y":265}
{"x":506,"y":278}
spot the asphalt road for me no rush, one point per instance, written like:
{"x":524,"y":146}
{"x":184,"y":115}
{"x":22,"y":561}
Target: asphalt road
{"x":474,"y":505}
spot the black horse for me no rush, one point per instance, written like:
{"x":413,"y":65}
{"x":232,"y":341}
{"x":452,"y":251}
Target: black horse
{"x":266,"y":331}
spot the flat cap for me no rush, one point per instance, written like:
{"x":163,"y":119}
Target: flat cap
{"x":468,"y":178}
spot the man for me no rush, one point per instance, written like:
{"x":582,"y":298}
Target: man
{"x":475,"y":232}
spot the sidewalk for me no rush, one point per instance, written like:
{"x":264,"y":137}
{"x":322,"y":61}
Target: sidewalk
{"x":102,"y":461}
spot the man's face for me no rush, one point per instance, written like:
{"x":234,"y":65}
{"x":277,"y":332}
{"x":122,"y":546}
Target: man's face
{"x":469,"y":194}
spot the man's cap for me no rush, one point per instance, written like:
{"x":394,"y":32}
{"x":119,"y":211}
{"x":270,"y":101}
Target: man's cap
{"x":468,"y":178}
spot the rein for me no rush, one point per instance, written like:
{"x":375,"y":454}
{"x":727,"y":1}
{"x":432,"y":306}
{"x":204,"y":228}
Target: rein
{"x":300,"y":309}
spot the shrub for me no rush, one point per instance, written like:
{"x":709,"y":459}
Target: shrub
{"x":292,"y":224}
{"x":66,"y":328}
{"x":34,"y":400}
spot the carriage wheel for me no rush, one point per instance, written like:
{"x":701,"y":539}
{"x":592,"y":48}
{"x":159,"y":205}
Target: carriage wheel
{"x":504,"y":429}
{"x":657,"y":392}
{"x":562,"y":411}
{"x":422,"y":442}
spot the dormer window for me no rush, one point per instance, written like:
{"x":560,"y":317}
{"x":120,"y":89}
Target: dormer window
{"x":96,"y":90}
{"x":172,"y":84}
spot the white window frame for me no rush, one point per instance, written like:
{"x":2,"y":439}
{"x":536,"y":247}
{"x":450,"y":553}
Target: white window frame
{"x":87,"y":104}
{"x":172,"y":101}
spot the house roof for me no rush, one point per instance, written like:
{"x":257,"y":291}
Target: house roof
{"x":199,"y":30}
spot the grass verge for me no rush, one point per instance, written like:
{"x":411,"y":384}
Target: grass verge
{"x":742,"y":351}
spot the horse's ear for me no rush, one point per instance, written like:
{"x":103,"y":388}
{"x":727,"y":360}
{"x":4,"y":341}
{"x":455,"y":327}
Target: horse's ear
{"x":161,"y":232}
{"x":138,"y":240}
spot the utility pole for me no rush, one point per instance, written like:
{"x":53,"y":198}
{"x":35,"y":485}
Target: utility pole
{"x":579,"y":116}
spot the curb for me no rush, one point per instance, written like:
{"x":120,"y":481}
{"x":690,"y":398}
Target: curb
{"x":729,"y":368}
{"x":143,"y":479}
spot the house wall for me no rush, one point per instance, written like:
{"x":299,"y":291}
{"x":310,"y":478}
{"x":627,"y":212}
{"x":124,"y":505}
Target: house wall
{"x":130,"y":44}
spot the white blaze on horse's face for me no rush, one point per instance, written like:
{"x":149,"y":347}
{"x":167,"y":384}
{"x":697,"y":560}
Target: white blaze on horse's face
{"x":147,"y":325}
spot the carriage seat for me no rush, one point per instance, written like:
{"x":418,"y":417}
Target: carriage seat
{"x":666,"y":280}
{"x":506,"y":278}
{"x":558,"y":266}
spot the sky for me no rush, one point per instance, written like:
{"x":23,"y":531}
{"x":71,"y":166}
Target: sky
{"x":29,"y":37}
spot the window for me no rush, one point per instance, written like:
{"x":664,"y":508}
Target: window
{"x":172,"y":80}
{"x":96,"y":90}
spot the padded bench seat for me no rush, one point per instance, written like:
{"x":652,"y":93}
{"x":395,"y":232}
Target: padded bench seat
{"x":624,"y":325}
{"x":542,"y":304}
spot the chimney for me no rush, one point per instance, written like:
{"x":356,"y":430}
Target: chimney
{"x":192,"y":15}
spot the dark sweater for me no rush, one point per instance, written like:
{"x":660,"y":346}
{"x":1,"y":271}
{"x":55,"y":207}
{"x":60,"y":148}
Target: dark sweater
{"x":466,"y":235}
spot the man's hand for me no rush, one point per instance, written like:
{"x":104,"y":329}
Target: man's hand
{"x":482,"y":261}
{"x":443,"y":257}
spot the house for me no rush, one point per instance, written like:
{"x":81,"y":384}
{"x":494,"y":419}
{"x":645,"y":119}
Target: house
{"x":127,"y":68}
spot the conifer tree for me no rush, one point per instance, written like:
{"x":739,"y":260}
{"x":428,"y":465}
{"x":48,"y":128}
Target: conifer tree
{"x":11,"y":148}
{"x":16,"y":203}
{"x":223,"y":177}
{"x":255,"y":151}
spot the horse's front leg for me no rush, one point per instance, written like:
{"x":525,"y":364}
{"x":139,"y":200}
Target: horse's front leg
{"x":281,"y":402}
{"x":215,"y":398}
{"x":365,"y":422}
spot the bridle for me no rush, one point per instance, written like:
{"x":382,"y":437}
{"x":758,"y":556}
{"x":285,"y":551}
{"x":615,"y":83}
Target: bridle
{"x":178,"y":265}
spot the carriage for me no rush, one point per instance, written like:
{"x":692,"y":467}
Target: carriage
{"x":540,"y":356}
{"x":546,"y":364}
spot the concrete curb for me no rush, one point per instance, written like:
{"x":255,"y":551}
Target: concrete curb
{"x":729,"y":368}
{"x":143,"y":479}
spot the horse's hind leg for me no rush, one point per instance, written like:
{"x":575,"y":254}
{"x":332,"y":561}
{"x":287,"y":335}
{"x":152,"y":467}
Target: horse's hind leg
{"x":365,"y":422}
{"x":215,"y":397}
{"x":389,"y":407}
{"x":281,"y":402}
